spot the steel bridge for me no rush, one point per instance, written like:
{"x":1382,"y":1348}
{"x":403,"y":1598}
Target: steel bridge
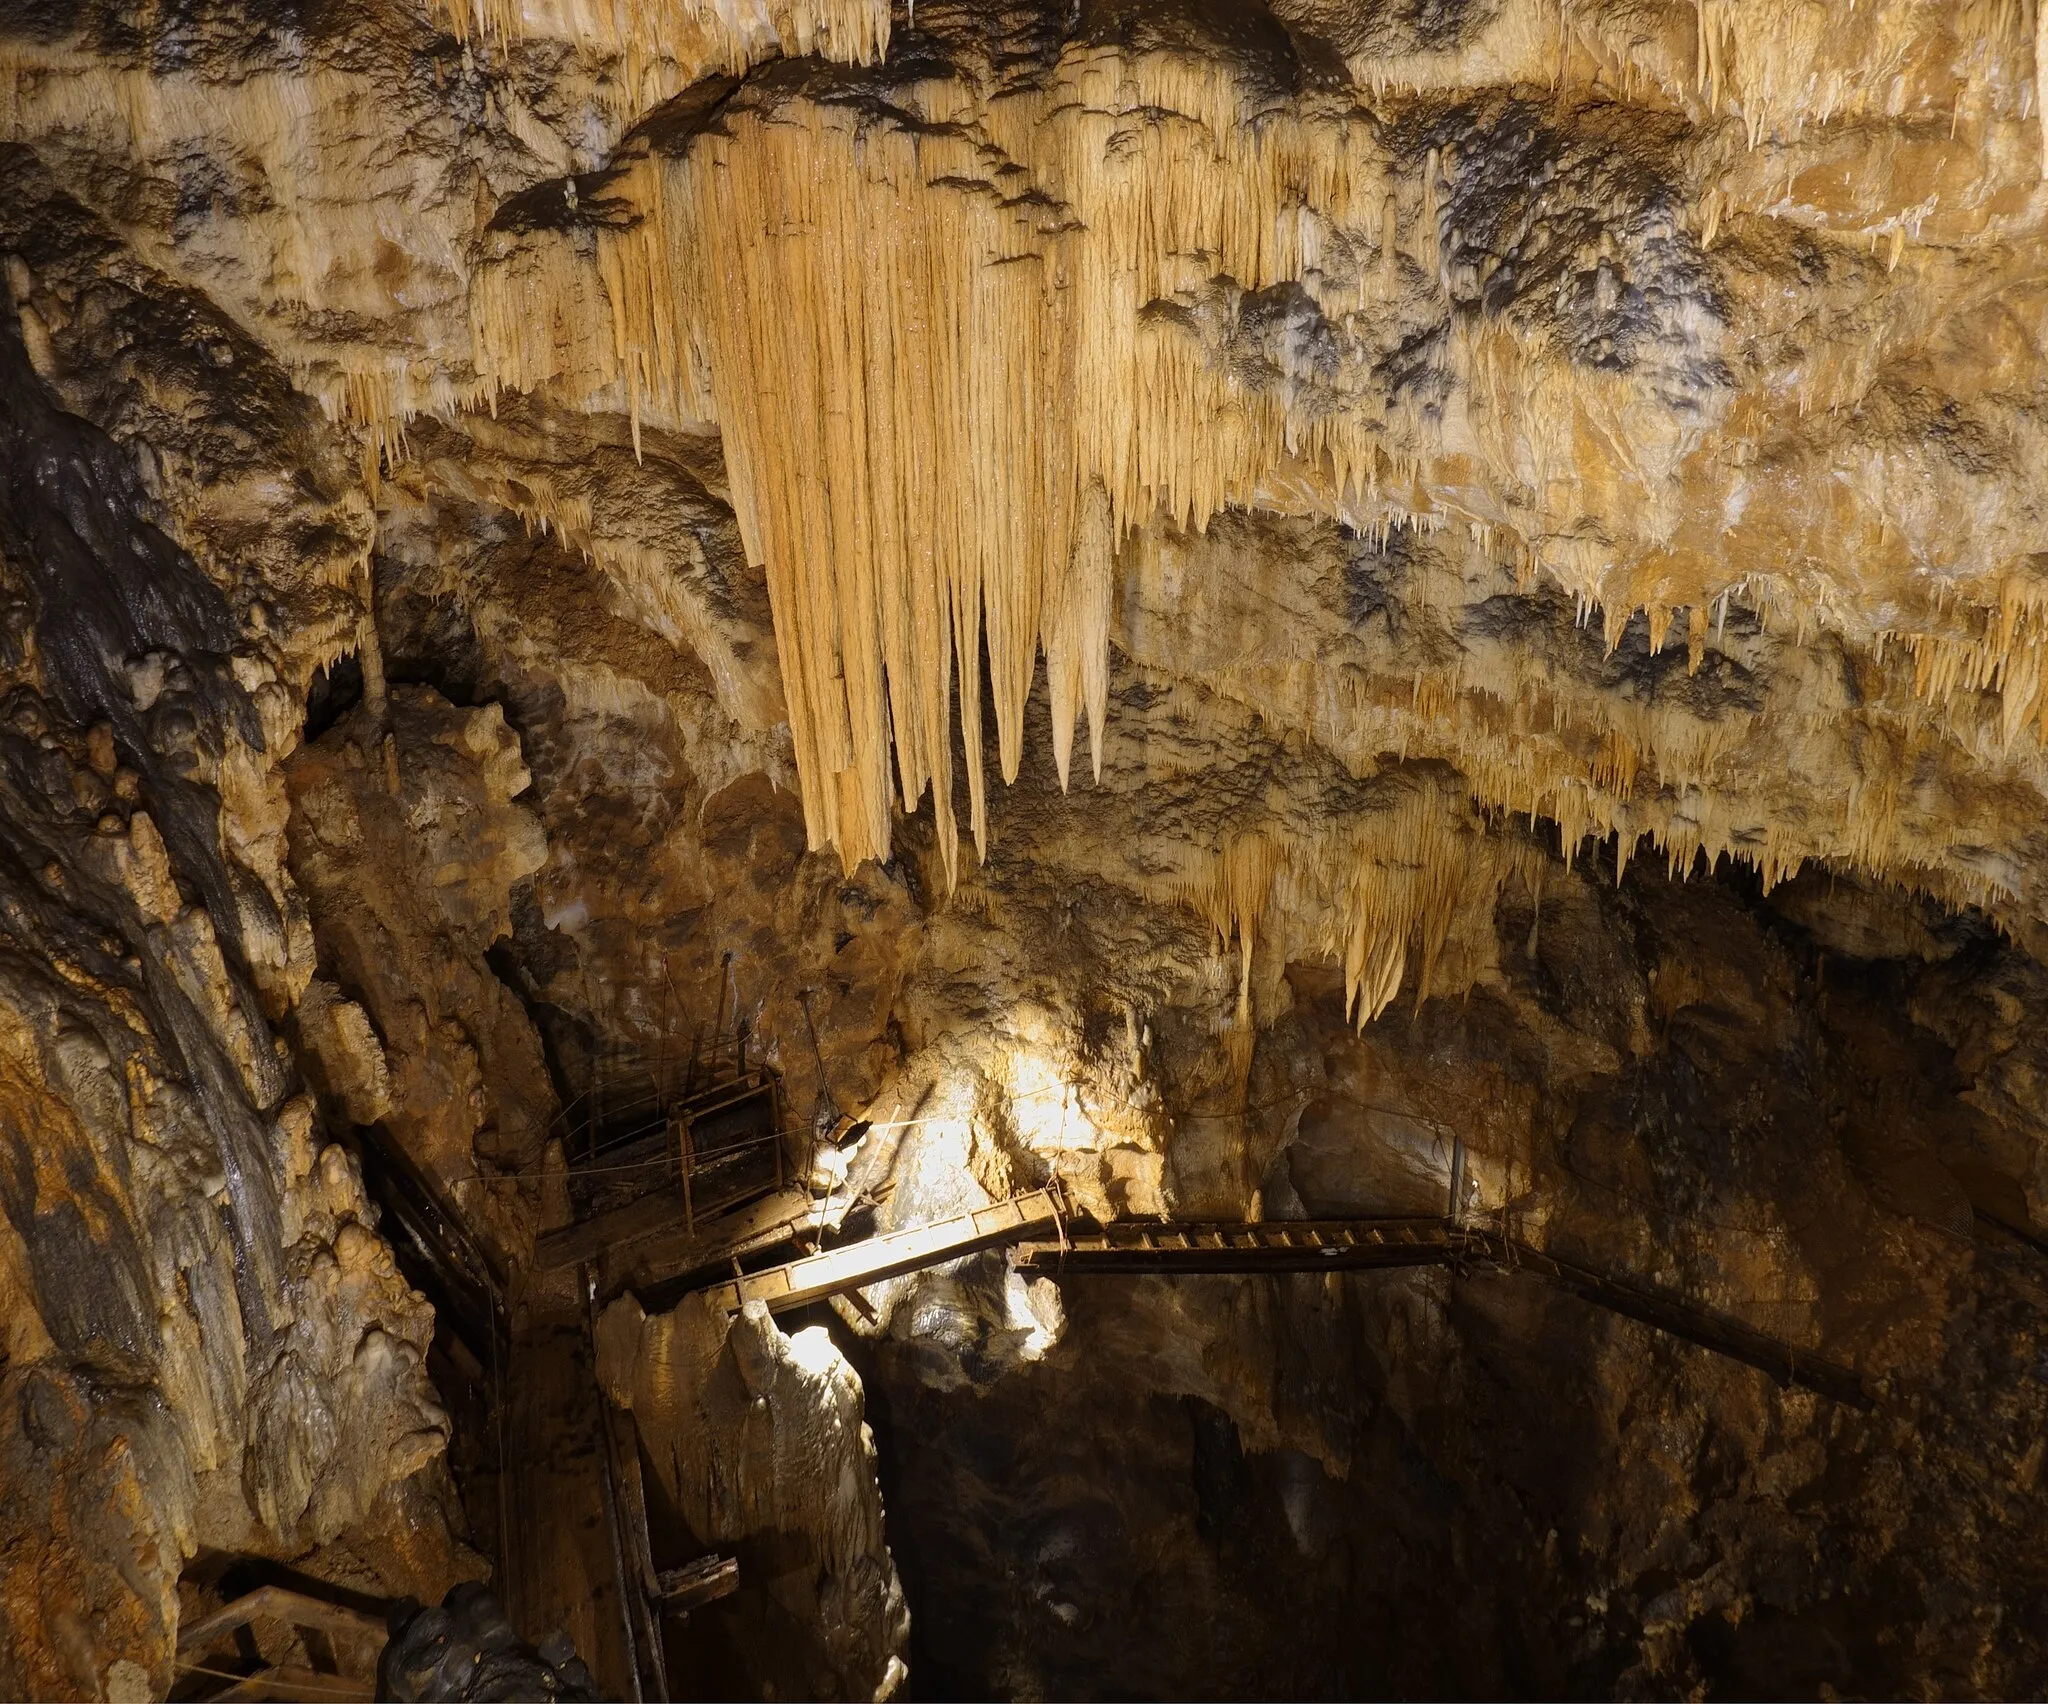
{"x":1051,"y":1241}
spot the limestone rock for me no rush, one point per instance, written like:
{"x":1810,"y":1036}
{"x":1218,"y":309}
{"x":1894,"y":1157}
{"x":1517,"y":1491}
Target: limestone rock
{"x":1497,"y":555}
{"x":758,"y":1438}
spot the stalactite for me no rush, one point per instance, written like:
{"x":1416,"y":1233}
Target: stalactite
{"x":1534,"y":739}
{"x":543,"y":284}
{"x":1785,"y":65}
{"x":664,"y":45}
{"x":316,"y":250}
{"x":970,"y":405}
{"x":980,"y":377}
{"x":1377,"y":892}
{"x":1077,"y":634}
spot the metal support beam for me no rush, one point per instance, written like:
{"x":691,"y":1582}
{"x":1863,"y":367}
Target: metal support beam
{"x":1329,"y":1245}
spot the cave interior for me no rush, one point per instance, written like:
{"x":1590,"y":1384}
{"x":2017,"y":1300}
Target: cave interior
{"x":1023,"y":848}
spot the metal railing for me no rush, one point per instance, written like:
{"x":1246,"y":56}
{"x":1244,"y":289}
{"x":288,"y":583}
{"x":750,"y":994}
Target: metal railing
{"x":633,"y":1099}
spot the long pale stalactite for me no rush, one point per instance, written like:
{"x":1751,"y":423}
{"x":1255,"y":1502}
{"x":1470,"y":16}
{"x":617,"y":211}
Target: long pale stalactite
{"x":659,"y":46}
{"x":949,"y":448}
{"x":961,"y":349}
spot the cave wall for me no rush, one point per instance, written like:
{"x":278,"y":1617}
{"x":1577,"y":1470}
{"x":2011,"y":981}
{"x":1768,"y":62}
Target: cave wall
{"x":209,"y":1347}
{"x":1471,"y":1484}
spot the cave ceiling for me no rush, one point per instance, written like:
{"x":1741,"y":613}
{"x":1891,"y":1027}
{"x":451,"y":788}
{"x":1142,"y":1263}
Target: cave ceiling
{"x":1630,"y":407}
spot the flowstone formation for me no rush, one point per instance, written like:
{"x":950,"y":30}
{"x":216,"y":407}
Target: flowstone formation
{"x":544,"y":539}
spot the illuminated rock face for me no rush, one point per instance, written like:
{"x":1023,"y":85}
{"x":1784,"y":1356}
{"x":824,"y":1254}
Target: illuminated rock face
{"x":1420,"y":451}
{"x":208,"y":1345}
{"x":758,"y":1435}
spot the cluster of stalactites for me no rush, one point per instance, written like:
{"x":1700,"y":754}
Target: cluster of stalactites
{"x":942,"y":400}
{"x":945,"y":406}
{"x":1701,"y":773}
{"x":1783,"y":65}
{"x":1385,"y":889}
{"x":664,"y":45}
{"x":320,"y":252}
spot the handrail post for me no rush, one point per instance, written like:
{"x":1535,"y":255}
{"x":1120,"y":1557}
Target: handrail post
{"x":613,"y":1516}
{"x":689,"y":1158}
{"x":661,"y":1035}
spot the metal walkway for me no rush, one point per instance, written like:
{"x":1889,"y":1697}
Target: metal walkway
{"x":1335,"y":1245}
{"x":1056,"y":1245}
{"x":1276,"y":1245}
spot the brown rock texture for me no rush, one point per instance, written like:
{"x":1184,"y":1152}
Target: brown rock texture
{"x":209,"y":1346}
{"x":1497,"y":551}
{"x":758,"y":1439}
{"x":408,"y":888}
{"x":1470,"y":1484}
